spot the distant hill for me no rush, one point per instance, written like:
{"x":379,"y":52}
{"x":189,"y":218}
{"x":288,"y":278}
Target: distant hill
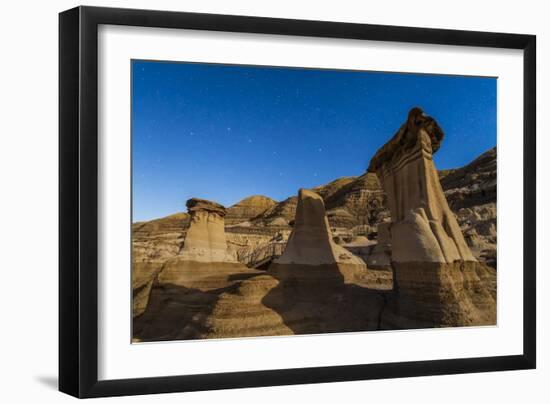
{"x":248,"y":208}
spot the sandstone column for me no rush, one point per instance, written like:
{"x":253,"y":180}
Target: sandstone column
{"x":436,"y":277}
{"x":205,"y":239}
{"x":204,"y":255}
{"x":310,"y":251}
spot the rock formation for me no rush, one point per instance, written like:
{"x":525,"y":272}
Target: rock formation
{"x":311,"y":288}
{"x":153,"y":243}
{"x":160,"y":239}
{"x":423,"y":227}
{"x":310,"y":242}
{"x":204,"y":255}
{"x":350,"y":202}
{"x":479,"y":226}
{"x":284,"y":210}
{"x":437,"y":280}
{"x":475,"y":184}
{"x":471,"y":192}
{"x":362,"y":198}
{"x":205,"y":239}
{"x":310,"y":247}
{"x":189,"y":270}
{"x":185,"y":289}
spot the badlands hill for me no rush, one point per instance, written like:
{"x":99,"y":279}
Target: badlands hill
{"x":475,"y":184}
{"x":248,"y":208}
{"x":471,"y":192}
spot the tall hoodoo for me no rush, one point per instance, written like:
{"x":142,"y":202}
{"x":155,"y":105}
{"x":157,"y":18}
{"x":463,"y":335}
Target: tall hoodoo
{"x":310,"y":254}
{"x":424,"y":228}
{"x":310,"y":242}
{"x":435,"y":274}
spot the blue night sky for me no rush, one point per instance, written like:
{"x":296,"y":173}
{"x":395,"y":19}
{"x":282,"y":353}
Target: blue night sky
{"x":223,"y":132}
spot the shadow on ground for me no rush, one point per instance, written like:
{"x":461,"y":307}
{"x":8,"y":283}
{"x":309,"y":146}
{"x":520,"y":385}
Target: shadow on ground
{"x":176,"y":312}
{"x":316,"y":299}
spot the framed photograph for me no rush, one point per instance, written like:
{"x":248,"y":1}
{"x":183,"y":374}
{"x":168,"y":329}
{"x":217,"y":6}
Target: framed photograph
{"x":251,"y":201}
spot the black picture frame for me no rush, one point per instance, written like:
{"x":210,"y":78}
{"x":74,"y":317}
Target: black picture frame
{"x":78,"y":201}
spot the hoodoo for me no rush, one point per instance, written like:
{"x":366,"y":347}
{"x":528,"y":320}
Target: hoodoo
{"x":205,"y":239}
{"x":310,"y":288}
{"x":204,"y":257}
{"x":310,"y":248}
{"x":187,"y":287}
{"x":437,"y":280}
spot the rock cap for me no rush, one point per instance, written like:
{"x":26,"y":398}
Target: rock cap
{"x":407,"y":137}
{"x":197,"y":204}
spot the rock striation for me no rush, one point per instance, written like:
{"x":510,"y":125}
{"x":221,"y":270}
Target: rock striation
{"x":282,"y":212}
{"x":479,"y":226}
{"x":437,"y":280}
{"x":153,"y":243}
{"x":160,"y":239}
{"x":475,"y":184}
{"x":471,"y":192}
{"x":350,"y":202}
{"x":362,"y":198}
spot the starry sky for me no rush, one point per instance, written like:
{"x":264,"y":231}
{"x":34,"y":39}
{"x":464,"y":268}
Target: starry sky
{"x":225,"y":132}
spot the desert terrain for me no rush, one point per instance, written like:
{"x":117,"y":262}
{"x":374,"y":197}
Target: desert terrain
{"x":401,"y":245}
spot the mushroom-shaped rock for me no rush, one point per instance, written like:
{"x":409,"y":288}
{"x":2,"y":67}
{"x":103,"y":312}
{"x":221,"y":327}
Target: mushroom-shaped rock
{"x":205,"y":239}
{"x":187,"y":287}
{"x":437,"y":280}
{"x":424,"y":228}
